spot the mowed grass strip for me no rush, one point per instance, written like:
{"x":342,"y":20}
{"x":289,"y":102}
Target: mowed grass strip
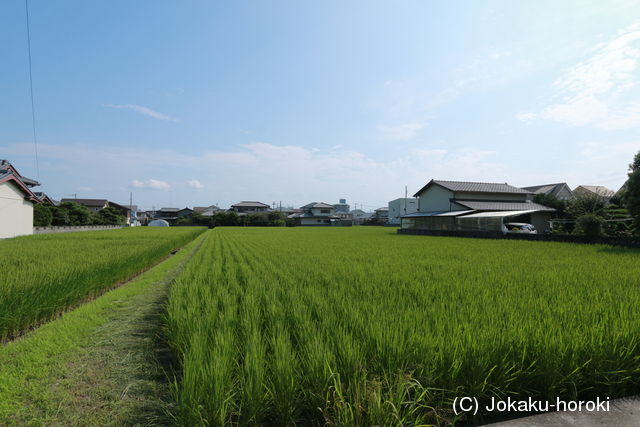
{"x":43,"y":275}
{"x":331,"y":326}
{"x":96,"y":365}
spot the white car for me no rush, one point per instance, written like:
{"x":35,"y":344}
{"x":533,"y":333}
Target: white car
{"x":520,"y":227}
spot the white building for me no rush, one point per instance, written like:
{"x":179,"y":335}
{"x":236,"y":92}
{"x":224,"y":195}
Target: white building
{"x":316,"y":214}
{"x":16,"y":202}
{"x":399,"y":207}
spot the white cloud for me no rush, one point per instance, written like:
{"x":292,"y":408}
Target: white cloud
{"x":297,"y":175}
{"x":145,"y":111}
{"x":152,"y":184}
{"x":599,"y":91}
{"x":195,"y":184}
{"x":401,"y":132}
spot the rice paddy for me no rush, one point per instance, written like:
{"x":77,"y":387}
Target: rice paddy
{"x":364,"y":327}
{"x":44,"y":275}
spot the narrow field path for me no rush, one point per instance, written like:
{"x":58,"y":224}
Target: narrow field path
{"x":102,"y":364}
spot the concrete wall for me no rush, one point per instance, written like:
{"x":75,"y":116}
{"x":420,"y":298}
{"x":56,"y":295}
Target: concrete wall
{"x":435,"y":199}
{"x":314,"y":221}
{"x":70,"y":229}
{"x":16,"y":213}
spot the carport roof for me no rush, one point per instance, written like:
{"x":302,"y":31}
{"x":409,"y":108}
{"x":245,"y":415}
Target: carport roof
{"x":437,"y":213}
{"x":503,"y":214}
{"x":480,"y":205}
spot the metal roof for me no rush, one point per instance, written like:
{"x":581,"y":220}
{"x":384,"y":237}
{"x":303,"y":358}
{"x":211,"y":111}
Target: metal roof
{"x":474,"y":187}
{"x":480,"y":205}
{"x":502,"y":214}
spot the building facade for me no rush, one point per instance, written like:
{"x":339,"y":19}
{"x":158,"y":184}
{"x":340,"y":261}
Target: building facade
{"x":399,"y":207}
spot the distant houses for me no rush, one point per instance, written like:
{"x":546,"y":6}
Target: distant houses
{"x":96,"y":205}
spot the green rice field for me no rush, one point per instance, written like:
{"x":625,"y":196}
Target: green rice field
{"x":43,"y":275}
{"x":360,"y":326}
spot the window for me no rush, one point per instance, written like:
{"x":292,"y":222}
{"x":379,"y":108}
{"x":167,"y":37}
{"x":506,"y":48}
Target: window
{"x":325,"y":211}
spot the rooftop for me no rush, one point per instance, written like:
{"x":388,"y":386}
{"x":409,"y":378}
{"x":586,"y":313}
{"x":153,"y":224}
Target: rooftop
{"x":474,"y":187}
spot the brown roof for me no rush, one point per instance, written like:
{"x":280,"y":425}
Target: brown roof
{"x":93,"y":203}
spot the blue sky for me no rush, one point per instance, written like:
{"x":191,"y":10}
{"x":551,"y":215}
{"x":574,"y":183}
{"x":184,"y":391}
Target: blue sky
{"x":198,"y":102}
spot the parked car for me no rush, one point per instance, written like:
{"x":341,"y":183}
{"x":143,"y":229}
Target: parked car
{"x":520,"y":227}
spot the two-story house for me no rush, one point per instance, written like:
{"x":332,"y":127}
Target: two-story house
{"x":249,"y":207}
{"x":442,"y":205}
{"x":316,"y":213}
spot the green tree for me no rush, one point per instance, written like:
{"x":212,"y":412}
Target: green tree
{"x":110,"y":216}
{"x":42,"y":215}
{"x":585,"y":204}
{"x":553,"y":202}
{"x":60,"y":216}
{"x":632,"y":193}
{"x":78,"y":214}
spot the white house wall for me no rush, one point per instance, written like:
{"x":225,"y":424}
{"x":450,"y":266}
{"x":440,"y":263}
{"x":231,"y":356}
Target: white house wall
{"x":435,"y":198}
{"x":16,"y":213}
{"x":397,"y":209}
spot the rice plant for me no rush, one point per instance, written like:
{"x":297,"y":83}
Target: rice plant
{"x":361,"y":326}
{"x":43,"y":275}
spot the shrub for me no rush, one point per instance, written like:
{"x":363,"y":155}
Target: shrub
{"x":590,"y":225}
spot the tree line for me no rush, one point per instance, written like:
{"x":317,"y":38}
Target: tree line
{"x":71,"y":213}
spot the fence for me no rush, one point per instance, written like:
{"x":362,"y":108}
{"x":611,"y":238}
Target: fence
{"x":71,"y":229}
{"x":631,"y":242}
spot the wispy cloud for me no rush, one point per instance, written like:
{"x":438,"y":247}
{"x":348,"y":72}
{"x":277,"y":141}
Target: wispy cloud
{"x":152,"y":184}
{"x":400,"y":132}
{"x":601,"y":90}
{"x":195,"y":184}
{"x":145,"y":111}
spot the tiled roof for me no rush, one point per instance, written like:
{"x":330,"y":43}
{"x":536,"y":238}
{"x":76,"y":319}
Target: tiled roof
{"x":597,"y":189}
{"x":318,"y":205}
{"x":502,"y":206}
{"x":245,"y":204}
{"x":474,"y":187}
{"x":87,"y":202}
{"x":551,"y":189}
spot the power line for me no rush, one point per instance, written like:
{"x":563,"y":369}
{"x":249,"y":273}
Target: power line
{"x":33,"y":109}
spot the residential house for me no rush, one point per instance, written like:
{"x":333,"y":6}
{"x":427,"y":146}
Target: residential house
{"x":249,"y":207}
{"x":399,"y":207}
{"x":205,"y":210}
{"x":167,"y":214}
{"x":316,"y":214}
{"x":560,"y":191}
{"x":594,"y":190}
{"x":184,"y":212}
{"x":16,"y":202}
{"x":359,"y":216}
{"x":95,"y":205}
{"x":381,"y":215}
{"x":485,"y":206}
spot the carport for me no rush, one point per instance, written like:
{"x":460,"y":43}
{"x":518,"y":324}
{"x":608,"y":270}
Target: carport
{"x":492,"y":221}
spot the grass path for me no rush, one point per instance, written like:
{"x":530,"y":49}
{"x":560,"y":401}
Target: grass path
{"x":98,"y":365}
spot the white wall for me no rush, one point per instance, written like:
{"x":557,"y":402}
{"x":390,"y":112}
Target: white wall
{"x":16,"y":213}
{"x":397,"y":206}
{"x":318,"y":211}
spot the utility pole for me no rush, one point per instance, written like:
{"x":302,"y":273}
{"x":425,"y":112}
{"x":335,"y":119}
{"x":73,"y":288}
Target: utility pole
{"x":405,"y":199}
